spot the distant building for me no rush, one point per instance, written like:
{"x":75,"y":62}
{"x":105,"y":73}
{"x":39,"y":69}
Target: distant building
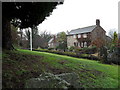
{"x":84,"y":37}
{"x":53,"y":42}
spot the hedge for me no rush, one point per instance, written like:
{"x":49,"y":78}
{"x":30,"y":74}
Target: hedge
{"x":72,"y":54}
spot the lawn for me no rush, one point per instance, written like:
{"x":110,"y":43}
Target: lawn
{"x":20,"y":65}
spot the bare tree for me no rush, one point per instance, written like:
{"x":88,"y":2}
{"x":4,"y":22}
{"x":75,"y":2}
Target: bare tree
{"x":45,"y":37}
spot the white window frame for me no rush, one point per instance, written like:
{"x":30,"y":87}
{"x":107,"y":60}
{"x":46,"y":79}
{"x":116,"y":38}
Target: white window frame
{"x":74,"y":36}
{"x":81,"y":44}
{"x":85,"y":44}
{"x":84,"y":35}
{"x":79,"y":35}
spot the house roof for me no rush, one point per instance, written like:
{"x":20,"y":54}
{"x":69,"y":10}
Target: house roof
{"x":108,"y":38}
{"x":50,"y":40}
{"x":82,"y":30}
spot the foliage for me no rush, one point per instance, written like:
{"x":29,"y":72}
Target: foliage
{"x":115,"y":38}
{"x":30,"y":13}
{"x":44,"y":39}
{"x":98,"y":42}
{"x":113,"y":45}
{"x":72,"y":54}
{"x":103,"y":54}
{"x":72,"y":48}
{"x":86,"y":50}
{"x":38,"y":40}
{"x":24,"y":15}
{"x":111,"y":33}
{"x":50,"y":48}
{"x":21,"y":65}
{"x":113,"y":52}
{"x":62,"y":40}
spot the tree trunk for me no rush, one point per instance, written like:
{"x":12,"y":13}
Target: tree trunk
{"x":6,"y":35}
{"x":21,"y":34}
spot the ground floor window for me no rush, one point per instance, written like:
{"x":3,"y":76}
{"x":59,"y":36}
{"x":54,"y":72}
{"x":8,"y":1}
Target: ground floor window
{"x":82,"y":44}
{"x":85,"y":44}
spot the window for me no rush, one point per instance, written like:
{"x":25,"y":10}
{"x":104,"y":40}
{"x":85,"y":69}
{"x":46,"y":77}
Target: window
{"x":84,"y":35}
{"x":79,"y":36}
{"x":49,"y":45}
{"x":74,"y":36}
{"x":74,"y":43}
{"x":85,"y":44}
{"x":82,"y":44}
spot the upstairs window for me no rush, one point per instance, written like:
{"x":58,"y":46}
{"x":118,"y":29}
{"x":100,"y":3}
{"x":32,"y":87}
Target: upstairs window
{"x":79,"y":36}
{"x":74,"y":36}
{"x":84,"y":35}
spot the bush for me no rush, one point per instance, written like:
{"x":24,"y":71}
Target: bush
{"x":86,"y":50}
{"x":71,"y":48}
{"x":103,"y":54}
{"x":72,"y":54}
{"x":50,"y":48}
{"x":114,"y":57}
{"x":88,"y":56}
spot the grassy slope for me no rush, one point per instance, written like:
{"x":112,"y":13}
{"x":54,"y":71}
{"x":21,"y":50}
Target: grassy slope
{"x":24,"y":64}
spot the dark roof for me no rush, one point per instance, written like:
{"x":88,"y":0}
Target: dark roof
{"x":108,"y":38}
{"x":82,"y":30}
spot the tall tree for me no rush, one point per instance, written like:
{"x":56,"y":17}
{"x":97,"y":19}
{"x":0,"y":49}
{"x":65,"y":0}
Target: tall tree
{"x":115,"y":37}
{"x":27,"y":14}
{"x":42,"y":39}
{"x":62,"y":40}
{"x":113,"y":44}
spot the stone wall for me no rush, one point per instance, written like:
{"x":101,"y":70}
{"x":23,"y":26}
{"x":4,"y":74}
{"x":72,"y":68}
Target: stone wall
{"x":70,"y":41}
{"x":98,"y":32}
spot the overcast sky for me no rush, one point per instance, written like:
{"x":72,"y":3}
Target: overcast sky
{"x":73,"y":14}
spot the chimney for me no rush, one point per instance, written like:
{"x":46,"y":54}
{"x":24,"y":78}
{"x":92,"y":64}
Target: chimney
{"x":97,"y":22}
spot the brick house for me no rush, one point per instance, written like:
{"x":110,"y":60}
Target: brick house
{"x":87,"y":36}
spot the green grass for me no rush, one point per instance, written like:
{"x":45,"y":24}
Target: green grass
{"x":92,"y":73}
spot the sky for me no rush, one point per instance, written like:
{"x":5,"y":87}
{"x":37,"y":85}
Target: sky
{"x":73,"y":14}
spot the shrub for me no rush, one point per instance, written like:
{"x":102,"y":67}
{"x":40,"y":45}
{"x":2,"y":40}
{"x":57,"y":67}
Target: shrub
{"x":114,"y":57}
{"x":71,"y":48}
{"x":72,"y":54}
{"x":50,"y":48}
{"x":86,"y":50}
